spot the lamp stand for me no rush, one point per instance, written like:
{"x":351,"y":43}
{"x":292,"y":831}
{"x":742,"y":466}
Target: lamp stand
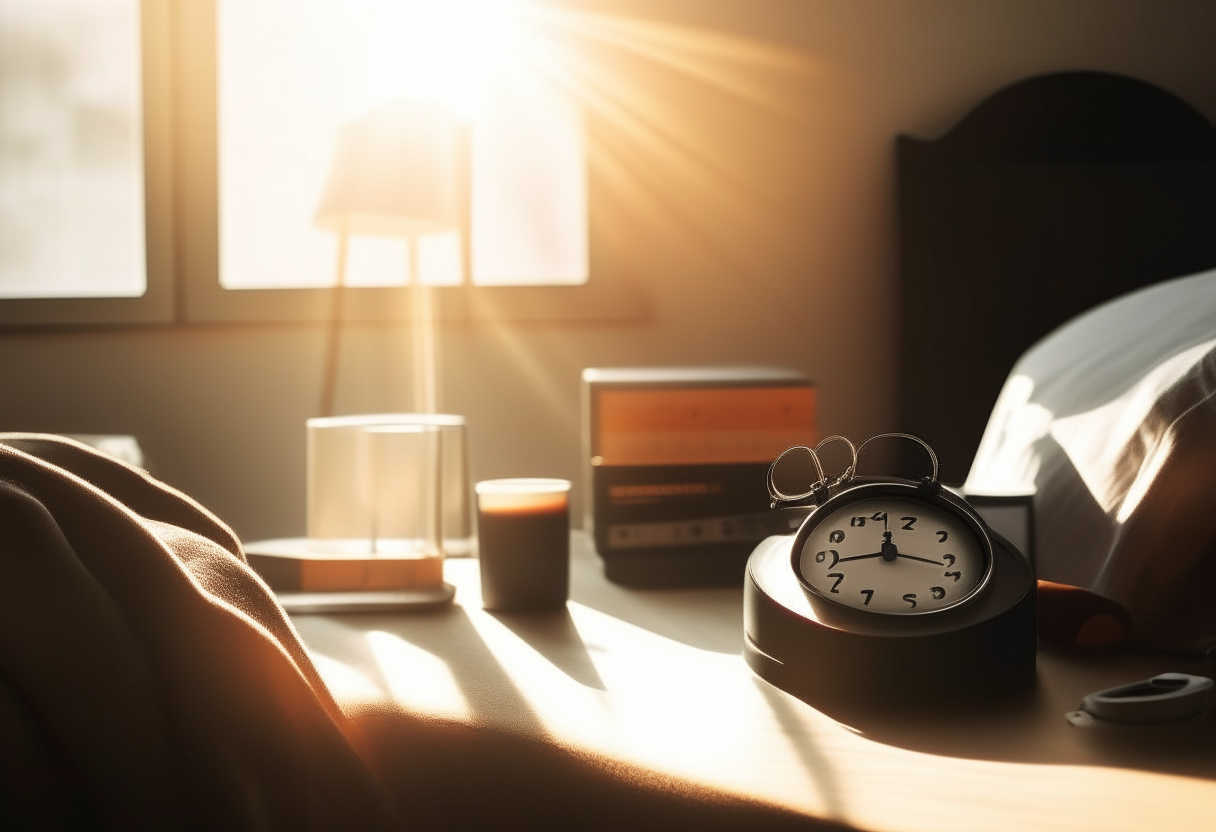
{"x":330,"y":375}
{"x":425,"y":354}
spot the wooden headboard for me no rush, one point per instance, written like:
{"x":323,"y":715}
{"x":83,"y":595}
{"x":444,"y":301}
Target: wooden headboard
{"x":1053,"y":195}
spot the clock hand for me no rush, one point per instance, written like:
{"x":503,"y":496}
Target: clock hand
{"x":884,"y":555}
{"x":888,"y":552}
{"x":860,"y":557}
{"x":922,"y":560}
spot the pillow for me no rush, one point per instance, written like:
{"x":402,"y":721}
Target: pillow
{"x":1111,"y":421}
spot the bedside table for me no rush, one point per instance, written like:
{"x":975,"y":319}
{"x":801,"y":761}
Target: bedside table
{"x":648,"y":687}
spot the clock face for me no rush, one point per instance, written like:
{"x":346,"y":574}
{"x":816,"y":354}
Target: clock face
{"x":893,"y":555}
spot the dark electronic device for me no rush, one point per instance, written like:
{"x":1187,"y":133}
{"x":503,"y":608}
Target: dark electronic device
{"x":891,"y":592}
{"x":676,"y":459}
{"x":1164,"y":698}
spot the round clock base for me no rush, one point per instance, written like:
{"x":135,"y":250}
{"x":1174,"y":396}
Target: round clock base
{"x":827,"y":654}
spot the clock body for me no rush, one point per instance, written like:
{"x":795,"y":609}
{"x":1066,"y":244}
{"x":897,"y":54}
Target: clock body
{"x":891,"y":592}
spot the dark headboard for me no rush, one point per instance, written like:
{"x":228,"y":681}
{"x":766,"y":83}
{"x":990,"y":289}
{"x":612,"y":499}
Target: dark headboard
{"x":1051,"y":196}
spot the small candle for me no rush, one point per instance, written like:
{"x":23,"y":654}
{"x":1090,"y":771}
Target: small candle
{"x":523,"y":528}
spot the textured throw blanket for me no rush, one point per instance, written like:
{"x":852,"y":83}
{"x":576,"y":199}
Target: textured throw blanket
{"x":148,"y":679}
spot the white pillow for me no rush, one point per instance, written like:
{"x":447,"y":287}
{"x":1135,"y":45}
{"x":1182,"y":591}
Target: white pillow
{"x":1111,"y":420}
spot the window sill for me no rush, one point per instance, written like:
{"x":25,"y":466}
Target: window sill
{"x":602,"y":300}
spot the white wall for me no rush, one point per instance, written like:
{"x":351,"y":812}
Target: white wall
{"x":751,"y":194}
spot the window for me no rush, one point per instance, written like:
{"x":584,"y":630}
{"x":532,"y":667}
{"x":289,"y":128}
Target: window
{"x":235,"y":153}
{"x":79,"y":132}
{"x":292,"y":74}
{"x":204,"y":243}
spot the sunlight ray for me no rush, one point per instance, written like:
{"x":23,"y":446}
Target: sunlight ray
{"x":722,"y":61}
{"x":417,"y":679}
{"x":653,"y":127}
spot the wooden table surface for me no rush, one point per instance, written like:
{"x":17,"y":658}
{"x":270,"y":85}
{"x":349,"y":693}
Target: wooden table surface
{"x":655,"y":679}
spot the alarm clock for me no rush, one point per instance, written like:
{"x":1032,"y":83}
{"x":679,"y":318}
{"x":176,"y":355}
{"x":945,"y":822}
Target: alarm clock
{"x":891,"y":591}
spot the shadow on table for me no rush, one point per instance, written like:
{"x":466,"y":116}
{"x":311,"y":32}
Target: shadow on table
{"x":816,"y":763}
{"x":487,"y":689}
{"x":553,"y":635}
{"x":1032,"y":728}
{"x":705,"y":618}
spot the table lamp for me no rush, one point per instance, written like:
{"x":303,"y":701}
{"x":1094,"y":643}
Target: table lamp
{"x":396,"y":173}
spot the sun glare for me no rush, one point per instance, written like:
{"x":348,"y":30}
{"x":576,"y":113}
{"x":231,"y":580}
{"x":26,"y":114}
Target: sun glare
{"x":528,"y":76}
{"x":294,"y":73}
{"x":445,"y":52}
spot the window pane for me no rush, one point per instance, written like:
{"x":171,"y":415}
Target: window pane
{"x":292,"y":73}
{"x":71,"y":149}
{"x":529,"y":186}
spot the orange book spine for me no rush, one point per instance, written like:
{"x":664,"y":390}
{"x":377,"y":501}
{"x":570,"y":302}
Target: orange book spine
{"x":681,"y":426}
{"x":347,"y":574}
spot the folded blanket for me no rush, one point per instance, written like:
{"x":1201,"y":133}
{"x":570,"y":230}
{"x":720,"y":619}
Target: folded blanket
{"x":148,"y":679}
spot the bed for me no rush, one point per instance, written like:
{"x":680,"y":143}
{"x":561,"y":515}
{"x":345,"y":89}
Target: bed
{"x":1058,"y":336}
{"x":1051,"y":196}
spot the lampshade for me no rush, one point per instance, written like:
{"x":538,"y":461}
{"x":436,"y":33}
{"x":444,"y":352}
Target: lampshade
{"x":396,"y":173}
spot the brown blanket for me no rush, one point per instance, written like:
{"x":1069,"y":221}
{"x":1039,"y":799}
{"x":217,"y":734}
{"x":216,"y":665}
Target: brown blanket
{"x":148,"y":679}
